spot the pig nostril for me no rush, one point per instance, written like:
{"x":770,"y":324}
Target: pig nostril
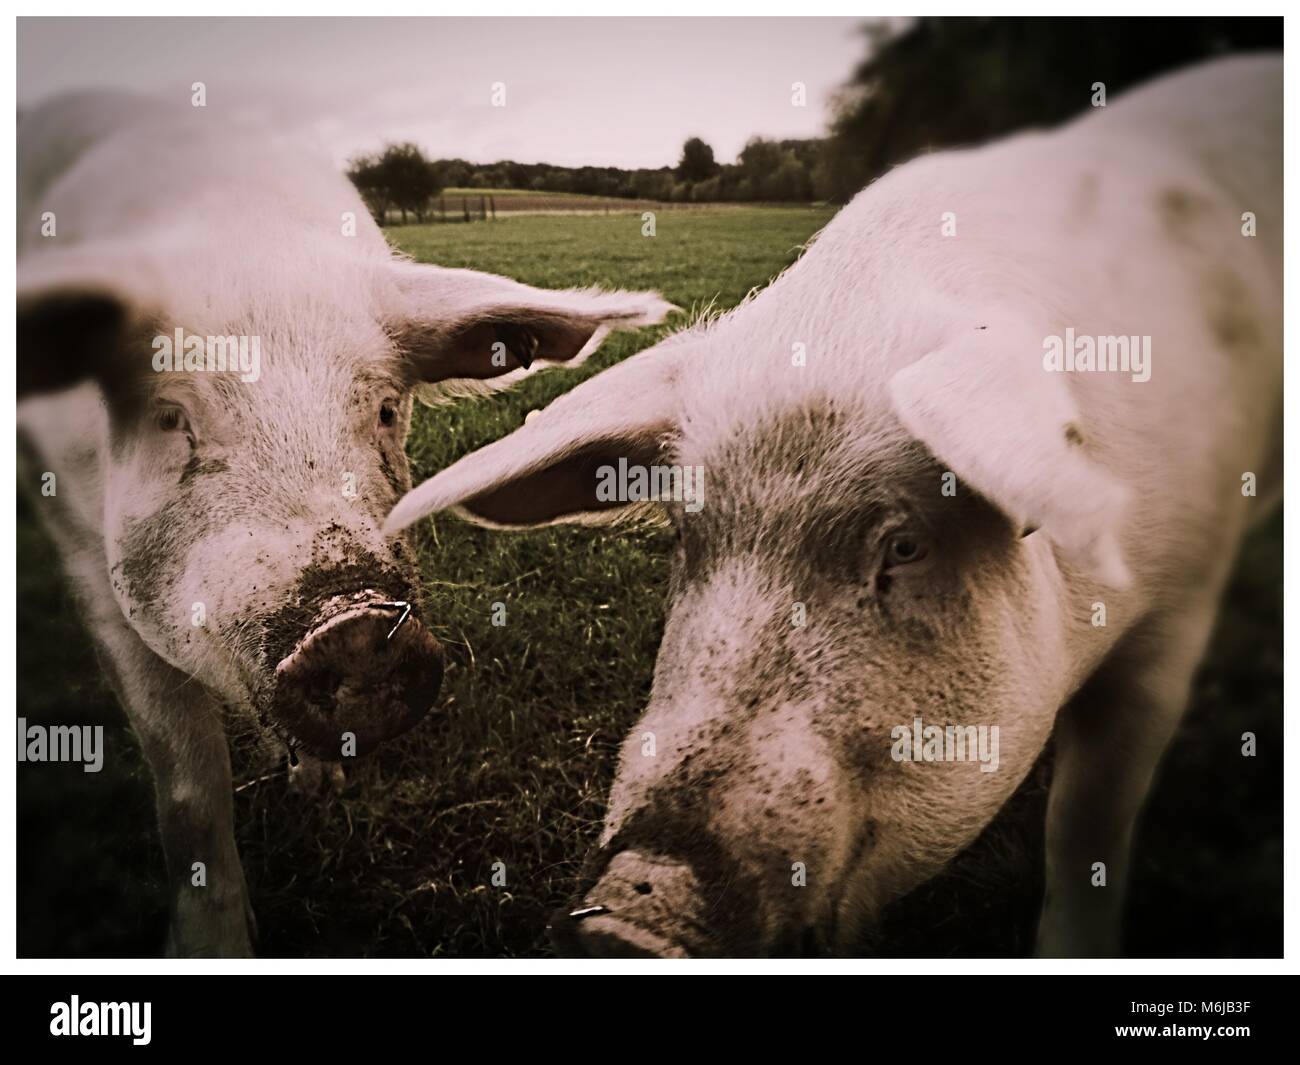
{"x":643,"y":888}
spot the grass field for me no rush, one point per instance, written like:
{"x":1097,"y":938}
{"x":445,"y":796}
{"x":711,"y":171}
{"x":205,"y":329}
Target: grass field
{"x":515,"y":766}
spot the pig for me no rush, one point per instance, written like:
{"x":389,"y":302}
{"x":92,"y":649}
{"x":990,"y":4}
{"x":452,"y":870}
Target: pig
{"x":922,"y":518}
{"x":218,"y":510}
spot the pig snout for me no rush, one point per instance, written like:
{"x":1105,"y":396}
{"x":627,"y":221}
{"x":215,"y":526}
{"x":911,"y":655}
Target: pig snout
{"x":367,"y":668}
{"x":643,"y":906}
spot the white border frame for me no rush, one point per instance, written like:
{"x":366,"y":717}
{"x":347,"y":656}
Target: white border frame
{"x":981,"y":967}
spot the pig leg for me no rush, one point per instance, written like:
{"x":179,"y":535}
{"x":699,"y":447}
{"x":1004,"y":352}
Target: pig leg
{"x":1110,"y":738}
{"x":177,"y":721}
{"x":195,"y":801}
{"x":180,"y":729}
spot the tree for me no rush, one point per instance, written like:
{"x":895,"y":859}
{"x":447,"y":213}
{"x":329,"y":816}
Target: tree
{"x":954,"y":81}
{"x":367,"y":175}
{"x":697,"y":161}
{"x":652,"y":184}
{"x":401,"y":177}
{"x":789,"y":182}
{"x":774,"y":170}
{"x":412,"y":179}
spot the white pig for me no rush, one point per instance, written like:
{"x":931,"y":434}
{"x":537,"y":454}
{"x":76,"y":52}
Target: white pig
{"x":219,"y":517}
{"x":922,"y":512}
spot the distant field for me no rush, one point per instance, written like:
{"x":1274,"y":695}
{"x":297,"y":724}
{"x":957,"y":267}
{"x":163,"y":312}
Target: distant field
{"x":516,"y":764}
{"x":456,"y":202}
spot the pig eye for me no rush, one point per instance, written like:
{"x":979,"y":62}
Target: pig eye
{"x":904,"y":548}
{"x":387,"y":413}
{"x":171,"y":419}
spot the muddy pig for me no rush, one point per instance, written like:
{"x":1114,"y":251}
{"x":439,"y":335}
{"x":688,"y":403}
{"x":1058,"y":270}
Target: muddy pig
{"x":973,"y":470}
{"x":217,"y":353}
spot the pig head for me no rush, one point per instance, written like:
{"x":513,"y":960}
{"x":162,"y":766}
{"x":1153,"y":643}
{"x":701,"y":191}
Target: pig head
{"x":241,"y":517}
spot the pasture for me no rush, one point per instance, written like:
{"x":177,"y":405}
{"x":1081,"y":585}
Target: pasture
{"x":515,"y":764}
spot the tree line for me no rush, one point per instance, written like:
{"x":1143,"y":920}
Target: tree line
{"x":934,"y":83}
{"x":400,"y":178}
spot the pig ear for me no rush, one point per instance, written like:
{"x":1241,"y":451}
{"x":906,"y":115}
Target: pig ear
{"x":545,"y":472}
{"x":464,"y":331}
{"x":986,"y":407}
{"x":75,"y":322}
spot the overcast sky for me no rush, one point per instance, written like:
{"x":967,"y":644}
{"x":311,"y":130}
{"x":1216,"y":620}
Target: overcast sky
{"x":616,"y":92}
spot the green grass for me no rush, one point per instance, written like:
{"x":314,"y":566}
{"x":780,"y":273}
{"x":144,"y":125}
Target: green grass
{"x":694,"y":257}
{"x":516,"y":764}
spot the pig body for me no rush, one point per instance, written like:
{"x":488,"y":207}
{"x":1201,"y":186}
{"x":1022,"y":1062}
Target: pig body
{"x":220,"y":521}
{"x":916,"y":516}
